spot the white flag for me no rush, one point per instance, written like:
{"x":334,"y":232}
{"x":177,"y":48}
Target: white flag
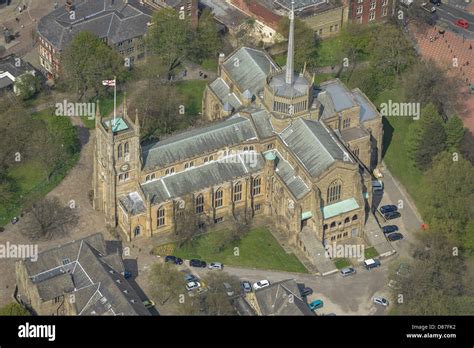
{"x":109,"y":83}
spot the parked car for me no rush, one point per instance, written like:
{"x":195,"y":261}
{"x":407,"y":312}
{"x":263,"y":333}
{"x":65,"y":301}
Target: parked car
{"x":462,"y":23}
{"x":389,"y":229}
{"x":377,"y":186}
{"x":392,"y":215}
{"x":261,"y":284}
{"x":197,"y":263}
{"x":229,"y":290}
{"x":192,"y":285}
{"x":174,"y":259}
{"x":190,"y":278}
{"x":306,"y":292}
{"x":388,"y":208}
{"x":126,"y":274}
{"x":246,"y":286}
{"x":316,"y":304}
{"x":371,"y":263}
{"x":148,"y":304}
{"x":15,"y":220}
{"x":436,"y":2}
{"x":216,"y":265}
{"x":345,"y":272}
{"x":381,"y":301}
{"x":394,"y":237}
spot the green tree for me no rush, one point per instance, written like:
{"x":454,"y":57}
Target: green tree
{"x":206,"y":43}
{"x":216,"y":300}
{"x":86,"y":62}
{"x":169,"y":38}
{"x":27,"y":86}
{"x":13,"y":309}
{"x":355,"y":40}
{"x":306,"y":43}
{"x":448,"y":193}
{"x":426,"y":137}
{"x":454,"y":132}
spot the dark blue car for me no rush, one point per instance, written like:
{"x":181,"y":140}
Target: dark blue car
{"x":174,"y":259}
{"x":388,"y":209}
{"x":389,"y":229}
{"x":394,"y":236}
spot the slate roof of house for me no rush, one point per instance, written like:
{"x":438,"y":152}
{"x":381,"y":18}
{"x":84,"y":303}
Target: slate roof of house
{"x":354,"y":133}
{"x":313,"y":145}
{"x":287,"y":173}
{"x":261,"y":119}
{"x":133,"y":203}
{"x":283,"y":89}
{"x":118,"y":22}
{"x":208,"y":175}
{"x":249,"y":68}
{"x":187,"y":145}
{"x":8,"y":65}
{"x":367,"y":110}
{"x":341,"y":97}
{"x":275,"y":299}
{"x":299,"y":4}
{"x":222,"y":90}
{"x":84,"y":269}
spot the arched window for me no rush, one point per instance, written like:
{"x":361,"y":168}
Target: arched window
{"x":334,"y":192}
{"x":251,"y":148}
{"x":218,"y":198}
{"x":120,"y":151}
{"x":153,"y":176}
{"x":246,"y":148}
{"x":257,"y":186}
{"x":238,"y":192}
{"x":137,"y":231}
{"x":355,"y":218}
{"x":126,"y":149}
{"x":356,"y":151}
{"x":200,"y":204}
{"x":347,"y":220}
{"x":333,"y":224}
{"x":161,"y":217}
{"x":346,"y":123}
{"x":325,"y":227}
{"x":147,"y":178}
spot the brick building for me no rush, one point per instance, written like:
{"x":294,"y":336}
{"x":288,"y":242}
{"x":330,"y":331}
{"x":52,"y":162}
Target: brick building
{"x":190,"y":8}
{"x":122,"y":24}
{"x":368,"y":11}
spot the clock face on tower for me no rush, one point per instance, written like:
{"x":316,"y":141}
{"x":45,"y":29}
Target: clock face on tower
{"x":125,"y":167}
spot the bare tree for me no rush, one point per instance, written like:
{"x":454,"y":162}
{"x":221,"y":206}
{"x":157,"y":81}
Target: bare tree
{"x":49,"y":219}
{"x":166,"y":282}
{"x":185,"y":219}
{"x":217,"y":299}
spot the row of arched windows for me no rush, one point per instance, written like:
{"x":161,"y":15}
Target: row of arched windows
{"x":346,"y":221}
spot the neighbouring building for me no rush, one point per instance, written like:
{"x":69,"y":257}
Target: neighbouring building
{"x":266,"y":21}
{"x":325,"y":17}
{"x":122,"y":24}
{"x":282,"y":298}
{"x":11,"y":70}
{"x":82,"y":277}
{"x":190,"y":8}
{"x":279,"y":147}
{"x":368,"y":11}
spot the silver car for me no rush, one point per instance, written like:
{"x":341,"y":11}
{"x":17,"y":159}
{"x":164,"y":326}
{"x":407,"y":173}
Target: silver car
{"x":216,"y":265}
{"x":348,"y":271}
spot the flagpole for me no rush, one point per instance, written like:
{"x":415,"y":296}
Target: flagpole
{"x":115,"y":100}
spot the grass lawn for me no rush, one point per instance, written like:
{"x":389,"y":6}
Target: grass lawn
{"x":329,"y":52}
{"x":193,"y":91}
{"x":342,"y":263}
{"x":395,"y":152}
{"x":30,"y":179}
{"x":257,"y":249}
{"x":370,"y":253}
{"x":280,"y":59}
{"x":209,"y":64}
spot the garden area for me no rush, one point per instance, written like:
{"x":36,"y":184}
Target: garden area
{"x":256,"y":249}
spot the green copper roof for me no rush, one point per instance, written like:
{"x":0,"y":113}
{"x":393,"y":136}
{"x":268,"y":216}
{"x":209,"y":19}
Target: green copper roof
{"x":270,"y":156}
{"x":306,"y":215}
{"x":339,"y":208}
{"x":119,"y":125}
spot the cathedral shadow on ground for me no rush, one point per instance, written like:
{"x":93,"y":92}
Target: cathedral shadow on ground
{"x":387,"y":135}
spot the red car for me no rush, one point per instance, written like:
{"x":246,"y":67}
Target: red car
{"x":462,"y":23}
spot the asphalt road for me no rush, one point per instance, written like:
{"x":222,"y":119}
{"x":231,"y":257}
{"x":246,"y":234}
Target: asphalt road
{"x":449,"y":14}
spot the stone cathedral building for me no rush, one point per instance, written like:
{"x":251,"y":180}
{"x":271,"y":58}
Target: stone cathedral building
{"x":278,"y":147}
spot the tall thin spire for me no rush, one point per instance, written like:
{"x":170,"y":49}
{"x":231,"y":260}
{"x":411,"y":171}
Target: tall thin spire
{"x":290,"y":65}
